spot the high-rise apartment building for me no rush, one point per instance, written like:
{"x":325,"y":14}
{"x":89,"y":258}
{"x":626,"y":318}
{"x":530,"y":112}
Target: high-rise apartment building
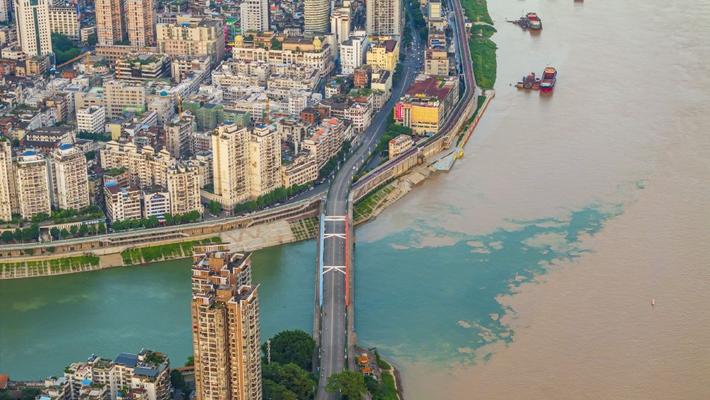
{"x":110,"y":22}
{"x":178,"y":134}
{"x":184,"y":184}
{"x":316,"y":16}
{"x":120,"y":96}
{"x":340,"y":23}
{"x":264,"y":167}
{"x":70,"y":179}
{"x":140,"y":22}
{"x":33,"y":29}
{"x":384,"y":17}
{"x":7,"y":180}
{"x":91,"y":119}
{"x":145,"y":165}
{"x":229,"y":160}
{"x":5,"y":10}
{"x":64,"y":20}
{"x":192,"y":36}
{"x":225,"y":325}
{"x":32,"y":184}
{"x":352,"y":52}
{"x":255,"y":15}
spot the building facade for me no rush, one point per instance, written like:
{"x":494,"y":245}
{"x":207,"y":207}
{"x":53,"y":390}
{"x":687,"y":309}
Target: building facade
{"x":192,"y":36}
{"x":316,"y":16}
{"x":140,"y":22}
{"x":384,"y":17}
{"x":225,"y":325}
{"x":32,"y":183}
{"x":64,"y":20}
{"x":33,"y":27}
{"x":91,"y":119}
{"x":254,"y":15}
{"x":264,"y":167}
{"x":110,"y":22}
{"x":7,"y":181}
{"x":70,"y":178}
{"x":184,"y":184}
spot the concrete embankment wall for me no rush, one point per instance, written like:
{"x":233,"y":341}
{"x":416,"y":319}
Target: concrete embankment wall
{"x":248,"y":238}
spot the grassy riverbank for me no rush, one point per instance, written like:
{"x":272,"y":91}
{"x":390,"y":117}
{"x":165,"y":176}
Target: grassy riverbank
{"x":25,"y":269}
{"x":163,"y":252}
{"x":483,"y":49}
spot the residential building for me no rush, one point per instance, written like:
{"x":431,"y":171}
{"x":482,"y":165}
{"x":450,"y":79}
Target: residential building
{"x":32,"y":184}
{"x":381,"y":85}
{"x":434,"y":9}
{"x":64,"y":20}
{"x":184,"y":184}
{"x":110,"y":22}
{"x":254,"y":15}
{"x":352,"y":52}
{"x":120,"y":96}
{"x":140,"y":22}
{"x":264,"y":167}
{"x":294,"y":50}
{"x":146,"y":166}
{"x":340,"y":24}
{"x":436,"y":62}
{"x":122,"y":202}
{"x":143,"y":67}
{"x":91,"y":119}
{"x":316,"y":16}
{"x":192,"y":36}
{"x":32,"y":24}
{"x":8,"y":200}
{"x":399,"y":145}
{"x":144,"y":376}
{"x":225,"y":325}
{"x":427,"y":103}
{"x":302,"y":170}
{"x":326,"y":140}
{"x":70,"y":178}
{"x":384,"y":17}
{"x":229,"y":157}
{"x":156,"y":202}
{"x":5,"y":10}
{"x":178,"y":134}
{"x":384,"y":54}
{"x":55,"y":389}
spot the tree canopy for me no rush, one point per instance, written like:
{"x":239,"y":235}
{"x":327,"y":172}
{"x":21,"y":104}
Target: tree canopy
{"x":292,"y":377}
{"x":295,"y":347}
{"x":350,"y":384}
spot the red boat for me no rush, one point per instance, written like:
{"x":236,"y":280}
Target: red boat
{"x":549,"y":77}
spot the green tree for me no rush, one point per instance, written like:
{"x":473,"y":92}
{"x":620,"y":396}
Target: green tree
{"x":214,"y":207}
{"x":64,"y":233}
{"x":83,"y":230}
{"x":102,"y":228}
{"x":7,"y":236}
{"x":350,"y":384}
{"x":54,"y":232}
{"x":295,"y":347}
{"x":275,"y":391}
{"x":292,"y":377}
{"x":74,"y":230}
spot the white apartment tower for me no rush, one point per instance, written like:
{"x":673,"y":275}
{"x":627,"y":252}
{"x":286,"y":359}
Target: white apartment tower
{"x":352,"y":52}
{"x":340,"y":24}
{"x":229,"y":160}
{"x":70,"y":178}
{"x":316,"y":16}
{"x":91,"y":119}
{"x":32,"y":183}
{"x":7,"y":181}
{"x":384,"y":17}
{"x":33,"y":29}
{"x":255,"y":15}
{"x":264,"y":169}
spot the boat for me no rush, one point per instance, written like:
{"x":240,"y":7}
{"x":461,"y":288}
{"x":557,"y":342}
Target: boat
{"x":534,"y":21}
{"x":549,"y":78}
{"x":529,"y":82}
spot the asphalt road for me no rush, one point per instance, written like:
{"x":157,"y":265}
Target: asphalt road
{"x":333,"y":336}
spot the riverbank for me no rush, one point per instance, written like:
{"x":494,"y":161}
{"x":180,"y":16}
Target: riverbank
{"x":483,"y":48}
{"x":246,"y":239}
